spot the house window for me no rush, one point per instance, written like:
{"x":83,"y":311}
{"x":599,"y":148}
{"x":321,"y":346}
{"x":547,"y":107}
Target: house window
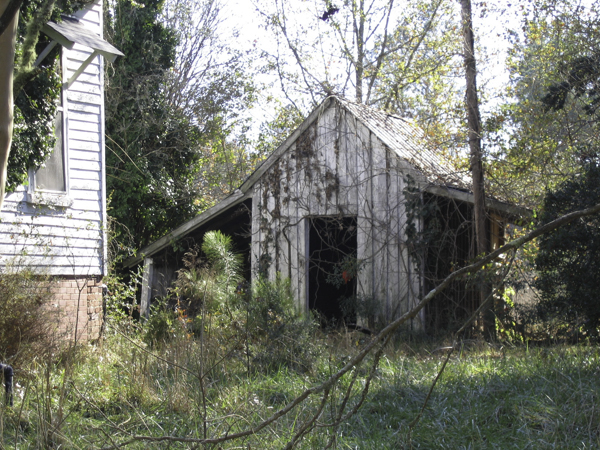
{"x":51,"y":176}
{"x":49,"y":184}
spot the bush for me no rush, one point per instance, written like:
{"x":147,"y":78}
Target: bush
{"x":259,"y":324}
{"x":27,"y":320}
{"x":283,"y":338}
{"x":568,"y":260}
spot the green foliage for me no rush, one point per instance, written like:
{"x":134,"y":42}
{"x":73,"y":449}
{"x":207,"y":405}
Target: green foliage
{"x":209,"y":280}
{"x":218,"y":306}
{"x":488,"y":397}
{"x":568,"y":261}
{"x":273,"y":133}
{"x":27,"y":320}
{"x":281,"y":336}
{"x":534,"y":147}
{"x":121,"y":298}
{"x":151,"y":158}
{"x":33,"y":137}
{"x":170,"y":108}
{"x":35,"y":104}
{"x":163,"y":325}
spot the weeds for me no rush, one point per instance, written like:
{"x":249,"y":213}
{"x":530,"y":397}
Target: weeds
{"x":247,"y":355}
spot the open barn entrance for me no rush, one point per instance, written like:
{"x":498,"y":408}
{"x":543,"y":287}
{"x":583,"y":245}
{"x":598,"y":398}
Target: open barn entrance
{"x":331,"y":265}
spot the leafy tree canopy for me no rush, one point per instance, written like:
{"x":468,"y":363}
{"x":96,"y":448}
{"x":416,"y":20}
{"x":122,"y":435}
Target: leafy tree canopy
{"x":170,"y":105}
{"x":568,"y":261}
{"x":542,"y":133}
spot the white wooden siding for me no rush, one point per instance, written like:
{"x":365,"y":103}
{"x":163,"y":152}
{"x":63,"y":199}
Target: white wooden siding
{"x":71,"y":240}
{"x":300,"y":185}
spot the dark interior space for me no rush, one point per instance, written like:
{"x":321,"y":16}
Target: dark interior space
{"x":451,"y":244}
{"x":235,"y":222}
{"x":332,"y":265}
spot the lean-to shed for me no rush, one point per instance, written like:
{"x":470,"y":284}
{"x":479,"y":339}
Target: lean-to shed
{"x":356,"y":210}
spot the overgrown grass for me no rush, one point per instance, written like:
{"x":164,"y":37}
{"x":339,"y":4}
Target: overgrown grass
{"x":488,"y":397}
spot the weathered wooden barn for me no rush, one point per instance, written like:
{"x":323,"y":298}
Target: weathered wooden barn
{"x":356,"y":210}
{"x":56,"y":224}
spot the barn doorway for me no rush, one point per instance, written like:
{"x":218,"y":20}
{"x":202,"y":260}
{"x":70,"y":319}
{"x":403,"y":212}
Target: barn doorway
{"x":331,"y":263}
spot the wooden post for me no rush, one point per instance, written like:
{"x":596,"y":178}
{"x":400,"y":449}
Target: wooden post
{"x":146,"y":288}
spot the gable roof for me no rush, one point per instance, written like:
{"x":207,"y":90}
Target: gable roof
{"x":409,"y":143}
{"x":406,"y":140}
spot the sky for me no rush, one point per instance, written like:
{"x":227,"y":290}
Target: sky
{"x":491,"y":18}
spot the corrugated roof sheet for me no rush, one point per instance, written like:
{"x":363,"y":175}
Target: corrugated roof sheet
{"x":409,"y":143}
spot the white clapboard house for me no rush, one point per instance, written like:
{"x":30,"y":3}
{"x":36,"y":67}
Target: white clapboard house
{"x":57,"y":223}
{"x":343,"y":208}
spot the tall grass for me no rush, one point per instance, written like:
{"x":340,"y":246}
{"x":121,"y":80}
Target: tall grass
{"x":488,"y":397}
{"x":244,"y":354}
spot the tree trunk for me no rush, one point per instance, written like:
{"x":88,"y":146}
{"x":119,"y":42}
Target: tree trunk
{"x":359,"y":32}
{"x":474,"y":123}
{"x":7,"y":61}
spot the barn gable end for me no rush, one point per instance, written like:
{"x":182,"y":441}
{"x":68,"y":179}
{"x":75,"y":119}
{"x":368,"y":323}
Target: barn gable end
{"x":328,"y":209}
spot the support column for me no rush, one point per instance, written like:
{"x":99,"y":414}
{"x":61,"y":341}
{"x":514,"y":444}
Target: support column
{"x":146,"y":288}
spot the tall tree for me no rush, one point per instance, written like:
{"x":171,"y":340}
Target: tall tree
{"x":168,"y":103}
{"x":537,"y":145}
{"x":356,"y":47}
{"x":398,"y":57}
{"x":475,"y":159}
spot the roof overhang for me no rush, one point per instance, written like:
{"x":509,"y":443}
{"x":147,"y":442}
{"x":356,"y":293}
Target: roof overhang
{"x":201,"y":219}
{"x":70,"y":32}
{"x":468,"y":197}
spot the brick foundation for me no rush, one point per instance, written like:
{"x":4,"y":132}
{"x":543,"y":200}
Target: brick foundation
{"x":80,"y":304}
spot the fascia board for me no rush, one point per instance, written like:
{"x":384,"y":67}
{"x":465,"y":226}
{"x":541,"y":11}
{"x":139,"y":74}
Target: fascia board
{"x":162,"y":243}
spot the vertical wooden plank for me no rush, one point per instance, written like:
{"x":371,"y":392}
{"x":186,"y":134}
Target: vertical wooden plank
{"x":303,"y":262}
{"x":283,"y":235}
{"x":393,"y":199}
{"x":363,"y":180}
{"x":380,"y":225}
{"x":330,"y":166}
{"x":147,"y":288}
{"x":256,"y":231}
{"x":292,"y":230}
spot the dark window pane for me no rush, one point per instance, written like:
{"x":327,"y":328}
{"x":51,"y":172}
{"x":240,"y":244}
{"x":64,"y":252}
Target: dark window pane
{"x":51,"y":177}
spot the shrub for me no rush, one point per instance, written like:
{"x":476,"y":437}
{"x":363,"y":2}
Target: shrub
{"x":27,"y":320}
{"x":568,"y":260}
{"x":283,"y":338}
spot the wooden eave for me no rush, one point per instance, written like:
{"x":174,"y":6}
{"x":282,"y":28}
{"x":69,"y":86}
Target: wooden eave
{"x":70,"y":32}
{"x":234,"y":199}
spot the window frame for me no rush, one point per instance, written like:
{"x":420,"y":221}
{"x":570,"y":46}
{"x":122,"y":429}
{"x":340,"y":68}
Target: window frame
{"x":49,"y":197}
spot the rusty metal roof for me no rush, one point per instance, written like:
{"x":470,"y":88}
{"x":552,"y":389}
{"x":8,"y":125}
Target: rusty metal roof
{"x":409,"y":143}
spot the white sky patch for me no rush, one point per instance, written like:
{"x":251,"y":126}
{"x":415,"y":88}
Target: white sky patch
{"x":491,"y":21}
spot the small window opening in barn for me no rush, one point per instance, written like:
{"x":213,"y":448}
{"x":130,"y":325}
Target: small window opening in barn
{"x":332,"y":267}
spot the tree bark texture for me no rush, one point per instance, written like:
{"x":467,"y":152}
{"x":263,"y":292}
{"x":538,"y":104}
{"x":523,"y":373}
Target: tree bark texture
{"x":476,"y":165}
{"x":7,"y":61}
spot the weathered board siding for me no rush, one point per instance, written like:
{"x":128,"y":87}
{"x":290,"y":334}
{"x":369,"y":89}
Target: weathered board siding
{"x":67,"y":240}
{"x":337,"y":168}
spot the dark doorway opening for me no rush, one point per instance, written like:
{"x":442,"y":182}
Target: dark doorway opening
{"x":331,"y":266}
{"x":452,"y":245}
